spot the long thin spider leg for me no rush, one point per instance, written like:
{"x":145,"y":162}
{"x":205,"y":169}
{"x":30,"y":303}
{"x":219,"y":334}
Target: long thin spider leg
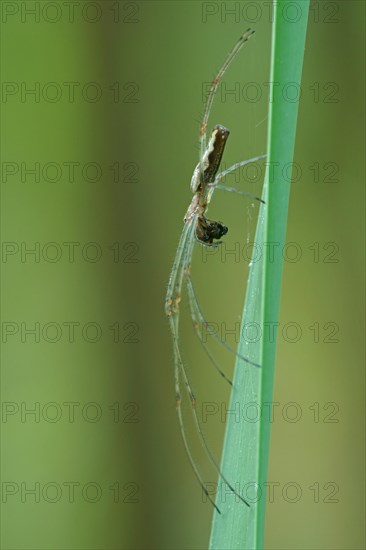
{"x":172,"y":301}
{"x":181,"y":423}
{"x":203,"y":322}
{"x":196,"y":327}
{"x":172,"y":311}
{"x":215,"y":185}
{"x":198,"y":425}
{"x":180,"y":266}
{"x":238,"y":165}
{"x":243,"y":193}
{"x":211,"y":94}
{"x":195,"y":323}
{"x":186,"y":263}
{"x":183,"y":260}
{"x":173,"y":294}
{"x":179,"y":363}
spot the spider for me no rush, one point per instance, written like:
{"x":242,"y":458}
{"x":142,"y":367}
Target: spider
{"x":198,"y":228}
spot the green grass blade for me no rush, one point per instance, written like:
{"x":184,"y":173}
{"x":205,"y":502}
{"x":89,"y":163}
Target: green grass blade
{"x":246,"y":447}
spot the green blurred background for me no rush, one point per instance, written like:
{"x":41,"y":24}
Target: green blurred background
{"x":113,"y":126}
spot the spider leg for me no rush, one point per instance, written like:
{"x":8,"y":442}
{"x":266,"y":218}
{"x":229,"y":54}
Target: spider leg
{"x":215,"y":185}
{"x":202,"y":438}
{"x":238,"y":165}
{"x":211,"y":94}
{"x":186,"y":267}
{"x":197,"y":328}
{"x":184,"y":255}
{"x":243,"y":193}
{"x":172,"y":302}
{"x":174,"y":290}
{"x":205,"y":323}
{"x":178,"y":399}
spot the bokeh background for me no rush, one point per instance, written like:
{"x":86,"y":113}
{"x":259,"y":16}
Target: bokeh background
{"x":110,"y":132}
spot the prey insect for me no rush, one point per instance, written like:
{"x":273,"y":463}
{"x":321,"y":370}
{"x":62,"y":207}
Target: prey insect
{"x":199,"y":228}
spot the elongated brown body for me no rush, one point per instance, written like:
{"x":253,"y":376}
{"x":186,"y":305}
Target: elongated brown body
{"x":207,"y":230}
